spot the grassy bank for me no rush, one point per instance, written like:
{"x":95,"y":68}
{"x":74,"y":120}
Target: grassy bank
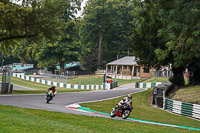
{"x":157,"y":79}
{"x":144,"y":111}
{"x":97,"y":80}
{"x":88,"y":80}
{"x":39,"y":88}
{"x":15,"y":119}
{"x":189,"y":94}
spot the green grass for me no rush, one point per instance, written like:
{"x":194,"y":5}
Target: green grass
{"x":157,"y":79}
{"x":89,"y":80}
{"x":81,"y":80}
{"x":123,"y":81}
{"x":62,"y":90}
{"x":189,"y":94}
{"x":39,"y":88}
{"x":97,"y":80}
{"x":162,"y":79}
{"x":86,"y":80}
{"x":144,"y":111}
{"x":15,"y":119}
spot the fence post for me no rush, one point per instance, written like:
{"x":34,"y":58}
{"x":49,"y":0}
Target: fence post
{"x":115,"y":76}
{"x":164,"y":99}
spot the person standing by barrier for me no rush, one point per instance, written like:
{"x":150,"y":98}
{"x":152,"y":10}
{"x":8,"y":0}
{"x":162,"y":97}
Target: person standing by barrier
{"x":110,"y":81}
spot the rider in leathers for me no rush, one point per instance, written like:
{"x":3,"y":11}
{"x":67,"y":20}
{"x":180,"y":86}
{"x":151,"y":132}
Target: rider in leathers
{"x":127,"y":100}
{"x":53,"y":89}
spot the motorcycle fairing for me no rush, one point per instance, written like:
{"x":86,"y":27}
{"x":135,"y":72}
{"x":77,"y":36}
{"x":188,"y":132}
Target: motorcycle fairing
{"x":119,"y":114}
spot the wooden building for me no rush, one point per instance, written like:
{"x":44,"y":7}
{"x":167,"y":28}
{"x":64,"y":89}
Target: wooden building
{"x":127,"y":68}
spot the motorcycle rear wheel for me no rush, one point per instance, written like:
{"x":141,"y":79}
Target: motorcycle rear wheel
{"x":126,"y":114}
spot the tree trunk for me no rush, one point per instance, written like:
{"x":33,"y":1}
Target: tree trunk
{"x":62,"y":64}
{"x":53,"y":70}
{"x":99,"y":50}
{"x":196,"y":77}
{"x":178,"y":78}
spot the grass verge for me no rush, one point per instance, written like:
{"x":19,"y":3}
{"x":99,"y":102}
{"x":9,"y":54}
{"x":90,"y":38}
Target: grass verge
{"x":90,"y":80}
{"x":15,"y":119}
{"x":39,"y":88}
{"x":157,"y":79}
{"x":189,"y":94}
{"x":144,"y":111}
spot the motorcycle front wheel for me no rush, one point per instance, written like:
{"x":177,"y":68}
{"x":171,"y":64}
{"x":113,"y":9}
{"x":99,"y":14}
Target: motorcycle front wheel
{"x":48,"y":99}
{"x":112,"y":113}
{"x":126,"y":114}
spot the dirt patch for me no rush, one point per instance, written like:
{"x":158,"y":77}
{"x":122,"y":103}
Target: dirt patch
{"x":149,"y":101}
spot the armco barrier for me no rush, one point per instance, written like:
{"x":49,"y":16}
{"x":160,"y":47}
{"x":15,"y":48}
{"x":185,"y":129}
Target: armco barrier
{"x":182,"y":108}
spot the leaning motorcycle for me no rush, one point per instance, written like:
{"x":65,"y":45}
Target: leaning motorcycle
{"x":49,"y":96}
{"x":124,"y":111}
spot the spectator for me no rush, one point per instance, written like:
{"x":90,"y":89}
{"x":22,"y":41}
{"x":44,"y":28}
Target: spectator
{"x":110,"y":81}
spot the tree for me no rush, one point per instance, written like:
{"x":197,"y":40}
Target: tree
{"x":95,"y":23}
{"x":30,"y":19}
{"x":65,"y":47}
{"x":8,"y":59}
{"x":167,"y":32}
{"x":106,"y":24}
{"x":117,"y":36}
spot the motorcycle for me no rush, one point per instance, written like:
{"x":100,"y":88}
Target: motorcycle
{"x":49,"y":96}
{"x":123,"y":111}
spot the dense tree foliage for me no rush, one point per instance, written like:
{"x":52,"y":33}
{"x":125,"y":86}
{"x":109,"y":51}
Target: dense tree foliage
{"x":64,"y":47}
{"x":158,"y":32}
{"x":29,"y":19}
{"x":106,"y":25}
{"x":4,"y":59}
{"x":167,"y":32}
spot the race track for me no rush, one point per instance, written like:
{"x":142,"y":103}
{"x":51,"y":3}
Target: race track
{"x":37,"y":101}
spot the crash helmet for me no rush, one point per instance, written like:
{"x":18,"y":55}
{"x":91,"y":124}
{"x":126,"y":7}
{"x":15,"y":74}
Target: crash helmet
{"x":130,"y":96}
{"x":53,"y":86}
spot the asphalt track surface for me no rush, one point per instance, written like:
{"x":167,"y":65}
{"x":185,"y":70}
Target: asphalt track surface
{"x":38,"y":101}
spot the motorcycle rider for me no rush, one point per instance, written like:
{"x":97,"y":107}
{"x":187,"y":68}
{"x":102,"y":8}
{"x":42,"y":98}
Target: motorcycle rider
{"x":53,"y":89}
{"x":126,"y":100}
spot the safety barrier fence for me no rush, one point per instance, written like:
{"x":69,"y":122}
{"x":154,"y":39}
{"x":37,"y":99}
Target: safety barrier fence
{"x":74,"y":86}
{"x":182,"y":108}
{"x":63,"y":85}
{"x":147,"y":85}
